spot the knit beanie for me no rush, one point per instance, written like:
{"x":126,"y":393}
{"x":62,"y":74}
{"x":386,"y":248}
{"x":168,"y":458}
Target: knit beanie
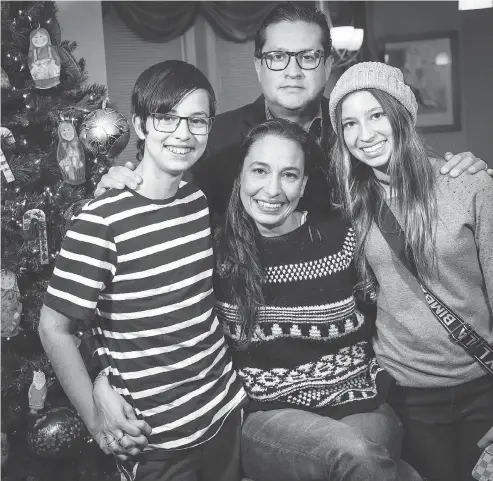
{"x":374,"y":75}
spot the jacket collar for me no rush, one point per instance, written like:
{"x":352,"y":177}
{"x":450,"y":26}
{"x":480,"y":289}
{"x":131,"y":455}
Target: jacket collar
{"x":256,"y":111}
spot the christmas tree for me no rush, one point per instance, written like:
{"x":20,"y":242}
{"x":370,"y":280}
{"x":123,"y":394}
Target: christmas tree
{"x":58,"y":138}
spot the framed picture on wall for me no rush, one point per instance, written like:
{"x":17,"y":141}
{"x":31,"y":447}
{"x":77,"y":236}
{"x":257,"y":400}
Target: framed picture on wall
{"x":430,"y":65}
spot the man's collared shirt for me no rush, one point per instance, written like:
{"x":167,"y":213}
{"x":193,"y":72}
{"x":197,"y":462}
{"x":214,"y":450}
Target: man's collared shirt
{"x":315,"y":128}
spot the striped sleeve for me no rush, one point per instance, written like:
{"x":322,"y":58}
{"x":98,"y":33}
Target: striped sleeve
{"x":85,"y":265}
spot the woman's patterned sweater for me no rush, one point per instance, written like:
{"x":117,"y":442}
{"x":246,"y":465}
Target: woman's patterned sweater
{"x":311,"y":348}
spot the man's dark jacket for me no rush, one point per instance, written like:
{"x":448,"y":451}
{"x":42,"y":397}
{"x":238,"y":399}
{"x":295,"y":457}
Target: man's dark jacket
{"x":216,"y":170}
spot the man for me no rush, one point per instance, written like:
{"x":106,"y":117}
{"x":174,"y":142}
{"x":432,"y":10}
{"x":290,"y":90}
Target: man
{"x":293,"y":64}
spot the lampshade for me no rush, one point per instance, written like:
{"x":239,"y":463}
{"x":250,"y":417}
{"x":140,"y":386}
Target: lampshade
{"x":347,"y":38}
{"x":475,"y":4}
{"x":341,"y":37}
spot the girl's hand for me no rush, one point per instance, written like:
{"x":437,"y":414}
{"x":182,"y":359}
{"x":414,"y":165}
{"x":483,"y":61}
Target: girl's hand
{"x":486,"y":440}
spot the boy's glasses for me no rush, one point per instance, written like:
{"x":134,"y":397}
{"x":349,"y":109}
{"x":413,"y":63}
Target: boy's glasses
{"x":306,"y":59}
{"x":168,"y":123}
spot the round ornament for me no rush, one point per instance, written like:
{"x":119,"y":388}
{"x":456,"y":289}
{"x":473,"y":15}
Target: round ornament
{"x":4,"y":441}
{"x":59,"y":434}
{"x":105,"y":132}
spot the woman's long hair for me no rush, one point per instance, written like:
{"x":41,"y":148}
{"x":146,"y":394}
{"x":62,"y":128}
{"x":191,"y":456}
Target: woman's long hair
{"x":412,"y":188}
{"x":236,"y":243}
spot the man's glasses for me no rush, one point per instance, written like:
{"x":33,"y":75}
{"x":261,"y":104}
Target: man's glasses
{"x":279,"y":60}
{"x":168,"y":123}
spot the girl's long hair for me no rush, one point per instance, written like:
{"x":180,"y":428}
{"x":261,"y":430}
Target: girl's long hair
{"x":412,"y":188}
{"x":237,"y":254}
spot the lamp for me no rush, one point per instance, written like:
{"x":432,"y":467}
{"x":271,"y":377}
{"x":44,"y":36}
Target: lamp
{"x":475,"y":4}
{"x":346,"y":40}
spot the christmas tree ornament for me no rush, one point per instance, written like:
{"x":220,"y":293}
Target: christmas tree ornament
{"x":7,"y":136}
{"x":37,"y":392}
{"x":58,"y":434}
{"x":4,"y":79}
{"x":43,"y":59}
{"x":9,"y":140}
{"x":105,"y":132}
{"x":70,"y":155}
{"x":4,"y":165}
{"x":11,"y":305}
{"x":4,"y":443}
{"x":34,"y":224}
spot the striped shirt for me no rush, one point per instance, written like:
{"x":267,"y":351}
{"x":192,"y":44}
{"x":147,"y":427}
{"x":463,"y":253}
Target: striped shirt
{"x":141,"y":271}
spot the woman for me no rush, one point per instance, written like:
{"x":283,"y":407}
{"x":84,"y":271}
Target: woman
{"x":443,"y":396}
{"x":284,"y":283}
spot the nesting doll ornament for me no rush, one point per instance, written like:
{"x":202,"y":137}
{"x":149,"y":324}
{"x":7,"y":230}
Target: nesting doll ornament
{"x":43,"y":59}
{"x":70,"y":155}
{"x":38,"y":235}
{"x":11,"y":305}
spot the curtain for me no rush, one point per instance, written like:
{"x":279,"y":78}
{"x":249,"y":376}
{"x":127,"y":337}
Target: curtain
{"x":164,"y":21}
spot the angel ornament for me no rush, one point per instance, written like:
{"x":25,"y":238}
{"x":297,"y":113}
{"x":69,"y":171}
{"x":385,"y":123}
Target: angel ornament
{"x":11,"y":305}
{"x":43,"y":59}
{"x":70,"y":155}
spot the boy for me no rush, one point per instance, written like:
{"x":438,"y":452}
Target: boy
{"x":143,"y":260}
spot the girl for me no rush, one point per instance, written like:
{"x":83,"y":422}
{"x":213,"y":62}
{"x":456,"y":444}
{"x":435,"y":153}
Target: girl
{"x":443,"y":396}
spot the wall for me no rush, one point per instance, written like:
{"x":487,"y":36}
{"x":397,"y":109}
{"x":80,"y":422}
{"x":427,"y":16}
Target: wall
{"x":477,"y":68}
{"x":82,"y":22}
{"x":475,"y":30}
{"x":127,"y":56}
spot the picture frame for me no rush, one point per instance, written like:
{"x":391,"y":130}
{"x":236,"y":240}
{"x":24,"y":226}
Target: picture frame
{"x":430,"y":65}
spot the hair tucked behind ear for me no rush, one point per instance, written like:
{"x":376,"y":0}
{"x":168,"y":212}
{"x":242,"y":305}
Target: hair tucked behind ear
{"x":236,"y":243}
{"x":412,"y":181}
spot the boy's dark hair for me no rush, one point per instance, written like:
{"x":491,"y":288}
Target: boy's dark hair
{"x":164,"y":85}
{"x":294,"y":12}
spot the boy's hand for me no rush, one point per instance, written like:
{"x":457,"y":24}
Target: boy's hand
{"x":459,"y":163}
{"x":117,"y":178}
{"x":486,"y":440}
{"x":124,"y":434}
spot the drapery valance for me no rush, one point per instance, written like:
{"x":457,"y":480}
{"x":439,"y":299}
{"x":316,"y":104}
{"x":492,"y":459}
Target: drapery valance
{"x":164,"y":21}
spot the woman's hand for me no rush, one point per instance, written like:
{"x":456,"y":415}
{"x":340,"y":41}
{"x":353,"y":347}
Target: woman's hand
{"x":486,"y":440}
{"x":117,"y":178}
{"x":122,"y":433}
{"x":459,"y":163}
{"x":100,"y":440}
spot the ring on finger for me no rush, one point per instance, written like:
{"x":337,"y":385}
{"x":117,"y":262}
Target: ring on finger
{"x":112,"y":441}
{"x":121,"y":437}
